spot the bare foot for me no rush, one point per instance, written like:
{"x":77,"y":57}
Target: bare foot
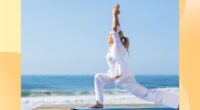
{"x":97,"y":105}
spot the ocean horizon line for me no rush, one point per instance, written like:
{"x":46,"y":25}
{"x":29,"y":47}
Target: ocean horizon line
{"x":94,"y":74}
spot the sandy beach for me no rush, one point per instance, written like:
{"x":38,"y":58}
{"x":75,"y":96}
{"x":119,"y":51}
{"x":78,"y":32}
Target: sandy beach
{"x":66,"y":102}
{"x":69,"y":106}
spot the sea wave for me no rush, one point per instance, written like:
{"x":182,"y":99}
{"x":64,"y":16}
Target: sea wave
{"x":33,"y":99}
{"x":39,"y":93}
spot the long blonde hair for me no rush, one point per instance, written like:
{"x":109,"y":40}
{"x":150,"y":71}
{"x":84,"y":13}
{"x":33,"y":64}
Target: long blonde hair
{"x":125,"y":42}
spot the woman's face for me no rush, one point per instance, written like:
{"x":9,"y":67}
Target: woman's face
{"x":110,"y":40}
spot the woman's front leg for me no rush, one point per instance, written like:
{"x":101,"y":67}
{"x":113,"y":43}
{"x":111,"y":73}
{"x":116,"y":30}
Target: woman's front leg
{"x":101,"y":80}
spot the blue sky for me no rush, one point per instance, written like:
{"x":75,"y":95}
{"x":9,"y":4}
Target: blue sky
{"x":69,"y":36}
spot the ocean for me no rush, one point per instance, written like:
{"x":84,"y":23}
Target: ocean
{"x":70,"y":89}
{"x":82,"y":85}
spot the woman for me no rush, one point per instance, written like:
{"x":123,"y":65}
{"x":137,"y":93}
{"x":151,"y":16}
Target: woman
{"x":119,"y":74}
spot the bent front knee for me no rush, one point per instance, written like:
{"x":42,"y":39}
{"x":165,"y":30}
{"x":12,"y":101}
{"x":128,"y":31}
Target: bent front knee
{"x":97,"y":76}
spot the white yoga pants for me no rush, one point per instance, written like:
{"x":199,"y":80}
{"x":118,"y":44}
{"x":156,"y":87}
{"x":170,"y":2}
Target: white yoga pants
{"x":129,"y":83}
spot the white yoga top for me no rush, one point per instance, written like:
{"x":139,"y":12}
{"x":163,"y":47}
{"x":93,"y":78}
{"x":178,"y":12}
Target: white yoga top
{"x":116,"y":56}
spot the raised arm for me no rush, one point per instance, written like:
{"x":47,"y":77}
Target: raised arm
{"x":115,"y":22}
